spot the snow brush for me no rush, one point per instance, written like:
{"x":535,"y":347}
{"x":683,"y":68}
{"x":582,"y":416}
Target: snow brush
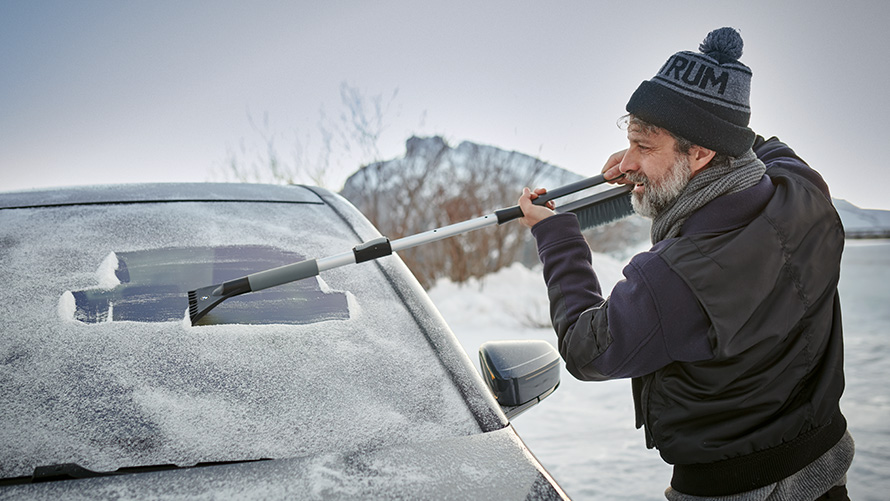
{"x":594,"y":210}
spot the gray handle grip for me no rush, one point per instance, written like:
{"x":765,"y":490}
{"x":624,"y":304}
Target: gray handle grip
{"x":283,"y":274}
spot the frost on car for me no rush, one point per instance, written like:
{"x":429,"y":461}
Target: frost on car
{"x":325,"y":387}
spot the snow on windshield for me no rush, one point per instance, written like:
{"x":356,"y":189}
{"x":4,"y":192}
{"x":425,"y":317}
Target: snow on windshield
{"x":112,"y":394}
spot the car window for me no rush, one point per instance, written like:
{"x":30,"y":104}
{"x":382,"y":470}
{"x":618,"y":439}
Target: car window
{"x":99,"y":365}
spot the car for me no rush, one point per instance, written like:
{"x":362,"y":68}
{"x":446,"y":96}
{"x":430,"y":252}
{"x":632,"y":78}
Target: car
{"x":344,"y":385}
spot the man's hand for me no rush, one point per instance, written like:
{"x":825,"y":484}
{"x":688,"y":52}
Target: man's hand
{"x":534,"y":213}
{"x":612,"y":168}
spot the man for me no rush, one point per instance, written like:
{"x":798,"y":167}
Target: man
{"x":730,"y":324}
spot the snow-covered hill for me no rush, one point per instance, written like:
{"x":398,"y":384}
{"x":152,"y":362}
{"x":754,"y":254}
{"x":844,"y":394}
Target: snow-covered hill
{"x":863,"y":223}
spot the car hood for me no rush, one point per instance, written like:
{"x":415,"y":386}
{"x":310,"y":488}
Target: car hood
{"x":493,"y":465}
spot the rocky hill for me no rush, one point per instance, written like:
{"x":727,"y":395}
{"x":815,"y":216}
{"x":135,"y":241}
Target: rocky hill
{"x":863,"y":223}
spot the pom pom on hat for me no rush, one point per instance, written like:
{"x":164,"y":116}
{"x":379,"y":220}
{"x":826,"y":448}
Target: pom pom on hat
{"x":723,"y":44}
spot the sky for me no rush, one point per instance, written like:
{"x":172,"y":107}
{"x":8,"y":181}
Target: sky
{"x":99,"y":92}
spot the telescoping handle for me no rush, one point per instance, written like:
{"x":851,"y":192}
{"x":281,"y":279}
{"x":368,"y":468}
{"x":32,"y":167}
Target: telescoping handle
{"x":511,"y":213}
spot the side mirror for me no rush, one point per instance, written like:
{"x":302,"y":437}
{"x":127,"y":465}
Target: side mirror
{"x":519,"y":373}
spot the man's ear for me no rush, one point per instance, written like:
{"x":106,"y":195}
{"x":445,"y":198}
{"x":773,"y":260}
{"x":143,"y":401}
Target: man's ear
{"x":700,"y":157}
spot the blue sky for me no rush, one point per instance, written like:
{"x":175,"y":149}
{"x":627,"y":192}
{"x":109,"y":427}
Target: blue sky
{"x":131,"y":91}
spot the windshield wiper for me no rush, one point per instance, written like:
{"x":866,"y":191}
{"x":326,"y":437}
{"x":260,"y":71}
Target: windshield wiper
{"x":72,"y":471}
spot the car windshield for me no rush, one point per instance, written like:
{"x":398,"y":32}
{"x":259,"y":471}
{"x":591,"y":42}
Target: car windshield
{"x":100,"y":366}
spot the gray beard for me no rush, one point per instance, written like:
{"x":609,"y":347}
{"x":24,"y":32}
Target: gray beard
{"x":658,"y":195}
{"x":708,"y":184}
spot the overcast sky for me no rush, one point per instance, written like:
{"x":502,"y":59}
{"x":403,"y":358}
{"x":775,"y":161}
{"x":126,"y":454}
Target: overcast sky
{"x":124,"y":91}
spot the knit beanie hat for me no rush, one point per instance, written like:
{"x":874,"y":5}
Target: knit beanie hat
{"x":702,"y":97}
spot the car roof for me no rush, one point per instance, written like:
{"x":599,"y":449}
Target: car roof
{"x":158,"y":192}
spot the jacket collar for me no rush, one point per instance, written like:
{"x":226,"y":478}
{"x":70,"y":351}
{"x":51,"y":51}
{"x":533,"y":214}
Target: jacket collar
{"x":730,"y":211}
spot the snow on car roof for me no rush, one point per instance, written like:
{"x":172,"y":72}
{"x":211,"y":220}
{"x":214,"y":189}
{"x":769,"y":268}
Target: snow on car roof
{"x":151,"y":192}
{"x":112,"y":394}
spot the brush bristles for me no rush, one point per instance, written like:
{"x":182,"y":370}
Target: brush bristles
{"x":601,"y":208}
{"x":193,"y":304}
{"x":604,"y":212}
{"x":201,"y":301}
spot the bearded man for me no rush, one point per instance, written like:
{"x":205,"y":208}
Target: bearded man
{"x":730,"y":325}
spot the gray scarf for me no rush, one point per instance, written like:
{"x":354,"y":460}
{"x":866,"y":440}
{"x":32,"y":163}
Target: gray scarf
{"x":742,"y":173}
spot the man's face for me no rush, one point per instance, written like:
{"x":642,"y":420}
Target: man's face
{"x":659,"y":172}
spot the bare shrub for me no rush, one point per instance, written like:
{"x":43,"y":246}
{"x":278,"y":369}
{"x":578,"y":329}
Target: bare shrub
{"x":312,"y":157}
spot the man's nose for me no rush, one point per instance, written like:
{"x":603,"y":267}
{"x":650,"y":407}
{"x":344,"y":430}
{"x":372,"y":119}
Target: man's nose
{"x":628,"y":163}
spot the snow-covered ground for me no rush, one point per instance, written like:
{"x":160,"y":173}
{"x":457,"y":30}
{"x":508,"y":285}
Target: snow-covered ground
{"x":584,"y":432}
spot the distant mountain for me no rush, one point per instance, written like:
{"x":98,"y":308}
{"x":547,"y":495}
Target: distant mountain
{"x":863,"y":223}
{"x":432,"y":169}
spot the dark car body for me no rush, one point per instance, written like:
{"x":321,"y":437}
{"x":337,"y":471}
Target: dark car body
{"x":346,"y":385}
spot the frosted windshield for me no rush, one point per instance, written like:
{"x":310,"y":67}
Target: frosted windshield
{"x":84,"y":381}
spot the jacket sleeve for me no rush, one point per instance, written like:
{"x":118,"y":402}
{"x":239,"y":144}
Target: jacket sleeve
{"x":650,"y":320}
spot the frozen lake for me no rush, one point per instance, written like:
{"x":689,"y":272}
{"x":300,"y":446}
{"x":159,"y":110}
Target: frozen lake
{"x":584,"y":433}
